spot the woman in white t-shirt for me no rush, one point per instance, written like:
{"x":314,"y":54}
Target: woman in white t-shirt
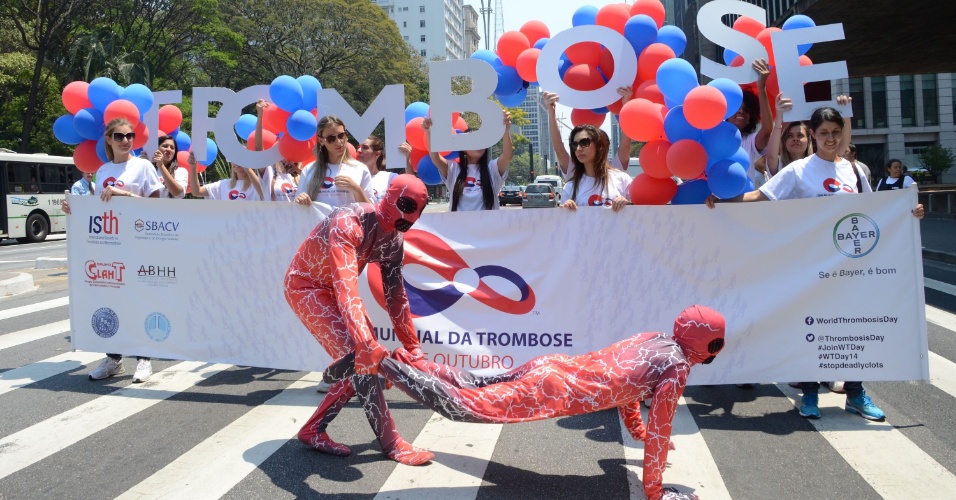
{"x":242,"y":185}
{"x":823,"y":173}
{"x":174,"y":179}
{"x":895,"y":179}
{"x":593,"y":183}
{"x":563,"y":158}
{"x":476,"y":186}
{"x":277,"y":182}
{"x":334,"y":178}
{"x":372,"y":154}
{"x":123,"y":175}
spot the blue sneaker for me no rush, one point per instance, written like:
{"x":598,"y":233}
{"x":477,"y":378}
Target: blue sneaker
{"x":809,"y":408}
{"x":863,"y":406}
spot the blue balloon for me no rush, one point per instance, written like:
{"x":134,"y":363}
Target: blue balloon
{"x":640,"y":31}
{"x":212,"y":151}
{"x":676,"y":126}
{"x":137,"y":152}
{"x":310,"y":85}
{"x":416,"y":109}
{"x":102,"y":91}
{"x":750,"y":185}
{"x":286,"y":92}
{"x":721,"y":141}
{"x":797,"y":22}
{"x":509,"y":82}
{"x":246,"y":126}
{"x":183,"y":142}
{"x":741,"y":157}
{"x":727,"y":179}
{"x":669,"y":104}
{"x":513,"y":100}
{"x":676,"y":77}
{"x":564,"y":66}
{"x":540,"y":43}
{"x":601,"y":111}
{"x":691,"y":193}
{"x":174,"y":132}
{"x":301,"y":125}
{"x":585,"y":15}
{"x":88,"y":123}
{"x":489,"y":57}
{"x":140,"y":96}
{"x":673,"y":37}
{"x":101,"y":150}
{"x":64,"y":131}
{"x":729,"y":56}
{"x":732,"y":93}
{"x":454,"y":154}
{"x":428,"y":172}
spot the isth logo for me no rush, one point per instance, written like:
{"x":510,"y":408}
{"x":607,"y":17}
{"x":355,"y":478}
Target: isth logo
{"x":105,"y":322}
{"x":157,"y":326}
{"x":856,"y":235}
{"x":157,"y":276}
{"x":104,"y":224}
{"x":425,"y":249}
{"x":107,"y":274}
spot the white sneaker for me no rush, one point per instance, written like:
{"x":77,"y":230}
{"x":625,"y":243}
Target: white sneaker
{"x":144,"y":369}
{"x":323,"y":386}
{"x":108,"y":367}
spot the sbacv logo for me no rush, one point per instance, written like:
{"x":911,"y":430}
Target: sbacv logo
{"x":156,"y":230}
{"x":104,"y":274}
{"x":856,"y":235}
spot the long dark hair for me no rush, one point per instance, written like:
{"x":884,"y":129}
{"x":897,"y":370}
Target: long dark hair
{"x":322,"y":155}
{"x":484,"y":176}
{"x":378,"y":145}
{"x":825,"y":114}
{"x":752,"y":105}
{"x":601,"y":144}
{"x":173,"y":165}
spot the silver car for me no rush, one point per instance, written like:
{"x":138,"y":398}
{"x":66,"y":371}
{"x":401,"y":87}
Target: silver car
{"x":539,"y":195}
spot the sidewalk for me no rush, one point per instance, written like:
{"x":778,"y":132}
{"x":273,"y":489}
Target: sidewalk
{"x":939,"y":239}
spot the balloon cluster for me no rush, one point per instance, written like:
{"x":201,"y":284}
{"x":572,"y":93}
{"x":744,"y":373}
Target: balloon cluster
{"x":415,"y":114}
{"x":93,"y":105}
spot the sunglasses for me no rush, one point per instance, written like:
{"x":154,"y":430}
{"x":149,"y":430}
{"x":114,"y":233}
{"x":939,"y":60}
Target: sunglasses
{"x":583,"y":143}
{"x":129,"y":136}
{"x":335,"y":137}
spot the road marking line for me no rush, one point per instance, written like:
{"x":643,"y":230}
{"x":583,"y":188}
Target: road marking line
{"x":940,"y":286}
{"x":942,"y":318}
{"x":689,"y":465}
{"x":216,"y":465}
{"x":36,"y":333}
{"x":462,"y":452}
{"x":35,"y":372}
{"x":32,"y":308}
{"x":29,"y":446}
{"x":886,"y":459}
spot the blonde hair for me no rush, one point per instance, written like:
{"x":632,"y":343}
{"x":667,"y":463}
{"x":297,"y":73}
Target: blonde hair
{"x":322,"y":159}
{"x":114,"y":124}
{"x":785,"y":158}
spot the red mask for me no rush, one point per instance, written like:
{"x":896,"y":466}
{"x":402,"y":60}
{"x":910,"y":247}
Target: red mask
{"x":403,"y":203}
{"x":699,"y":331}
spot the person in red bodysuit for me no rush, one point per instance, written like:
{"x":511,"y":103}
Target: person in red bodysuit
{"x":620,"y":375}
{"x":322,"y":288}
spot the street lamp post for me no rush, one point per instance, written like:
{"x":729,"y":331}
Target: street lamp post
{"x":531,"y":160}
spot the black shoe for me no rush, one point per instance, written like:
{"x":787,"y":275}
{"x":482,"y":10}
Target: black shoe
{"x":746,"y":386}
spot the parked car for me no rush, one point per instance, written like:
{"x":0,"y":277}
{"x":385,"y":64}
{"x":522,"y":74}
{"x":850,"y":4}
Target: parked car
{"x":539,"y":195}
{"x":509,"y":195}
{"x":556,"y":181}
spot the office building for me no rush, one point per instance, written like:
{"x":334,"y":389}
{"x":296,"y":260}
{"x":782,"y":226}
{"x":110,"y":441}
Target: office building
{"x":435,"y":29}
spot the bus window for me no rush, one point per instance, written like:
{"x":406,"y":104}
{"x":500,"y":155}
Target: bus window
{"x":22,"y":178}
{"x":53,"y":179}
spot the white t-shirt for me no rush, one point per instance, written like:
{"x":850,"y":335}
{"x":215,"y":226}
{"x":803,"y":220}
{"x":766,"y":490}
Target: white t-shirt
{"x":749,"y":143}
{"x":908,"y":182}
{"x":812,"y":177}
{"x":328,"y":193}
{"x":220,"y":190}
{"x":136,"y":175}
{"x":590,"y":195}
{"x":380,"y":182}
{"x":472,"y":198}
{"x":181,"y":176}
{"x":284,"y":188}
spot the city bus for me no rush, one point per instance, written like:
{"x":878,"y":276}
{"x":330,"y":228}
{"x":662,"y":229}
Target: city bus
{"x":33,"y":187}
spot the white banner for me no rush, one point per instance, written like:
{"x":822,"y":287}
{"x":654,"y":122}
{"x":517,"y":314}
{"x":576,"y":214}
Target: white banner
{"x":818,"y":289}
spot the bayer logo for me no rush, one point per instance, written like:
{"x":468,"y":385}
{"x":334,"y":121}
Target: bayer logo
{"x":157,"y":326}
{"x":856,"y":235}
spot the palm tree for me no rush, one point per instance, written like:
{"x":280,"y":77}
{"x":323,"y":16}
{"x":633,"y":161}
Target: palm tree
{"x":96,"y":54}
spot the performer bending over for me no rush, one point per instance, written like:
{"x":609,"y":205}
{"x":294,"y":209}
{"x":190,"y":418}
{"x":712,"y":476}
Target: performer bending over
{"x":322,"y":288}
{"x":621,"y":375}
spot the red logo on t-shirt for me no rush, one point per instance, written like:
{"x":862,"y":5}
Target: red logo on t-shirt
{"x":287,"y":188}
{"x":596,"y":200}
{"x":472,"y":182}
{"x":833,"y":185}
{"x":329,"y":182}
{"x":113,"y":181}
{"x":236,"y":195}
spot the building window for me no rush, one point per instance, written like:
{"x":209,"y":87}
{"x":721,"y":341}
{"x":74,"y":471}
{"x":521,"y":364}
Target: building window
{"x":858,"y":103}
{"x":423,"y":38}
{"x":878,"y":96}
{"x":423,"y":52}
{"x":908,"y":100}
{"x":930,"y":101}
{"x":421,"y":8}
{"x":404,"y":24}
{"x":421,"y":23}
{"x":912,"y":151}
{"x":406,"y":38}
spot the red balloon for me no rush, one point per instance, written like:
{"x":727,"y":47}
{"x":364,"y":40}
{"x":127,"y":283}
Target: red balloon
{"x":705,"y":107}
{"x":75,"y":96}
{"x":535,"y":30}
{"x":294,"y":150}
{"x":510,"y":45}
{"x":587,"y":117}
{"x":170,"y":117}
{"x":268,"y":140}
{"x":274,"y":119}
{"x":583,"y":77}
{"x":352,"y":152}
{"x":686,"y":159}
{"x":607,"y":63}
{"x":85,"y":157}
{"x":527,"y":65}
{"x":748,"y":26}
{"x":584,"y":53}
{"x":650,"y":91}
{"x":614,"y":16}
{"x":416,"y":156}
{"x":460,"y":124}
{"x":615,"y":107}
{"x":182,"y":158}
{"x":647,"y":190}
{"x":142,"y":135}
{"x":654,"y":159}
{"x":773,"y":87}
{"x":121,"y":108}
{"x":652,"y":8}
{"x":764,"y":38}
{"x":642,"y":120}
{"x":651,"y":58}
{"x":415,"y":134}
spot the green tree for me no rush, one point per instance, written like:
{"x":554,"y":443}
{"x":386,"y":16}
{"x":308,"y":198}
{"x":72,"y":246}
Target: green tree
{"x":101,"y":53}
{"x":937,"y":160}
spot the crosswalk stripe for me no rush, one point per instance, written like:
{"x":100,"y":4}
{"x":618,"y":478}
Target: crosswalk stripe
{"x":690,"y":464}
{"x":32,"y":308}
{"x":940,"y":286}
{"x":36,"y":333}
{"x":942,"y":318}
{"x":462,"y":452}
{"x":886,"y":459}
{"x":35,"y":372}
{"x":30,"y":445}
{"x":236,"y":450}
{"x":942,"y":372}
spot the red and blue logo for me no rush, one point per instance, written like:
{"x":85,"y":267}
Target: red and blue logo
{"x":236,"y":195}
{"x":832,"y":185}
{"x":596,"y":200}
{"x":288,"y":188}
{"x":425,"y":249}
{"x":113,"y":181}
{"x":471,"y":182}
{"x":329,"y":182}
